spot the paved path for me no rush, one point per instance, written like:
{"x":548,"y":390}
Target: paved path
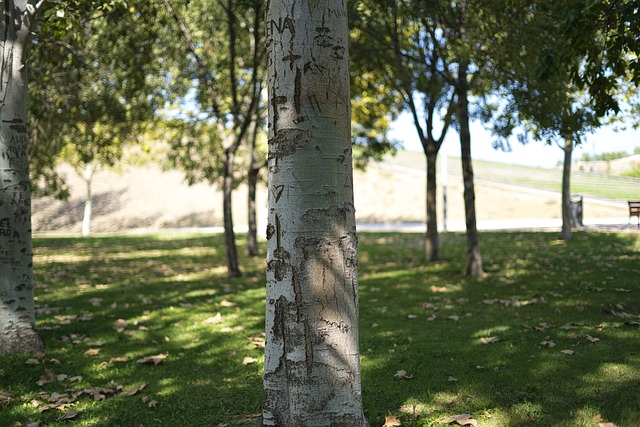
{"x":600,"y":224}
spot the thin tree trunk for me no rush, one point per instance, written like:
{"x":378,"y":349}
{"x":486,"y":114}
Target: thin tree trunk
{"x":565,"y":233}
{"x":432,"y":241}
{"x":17,"y":307}
{"x":233,"y":265}
{"x":252,"y":183}
{"x":252,"y":234}
{"x":312,"y":367}
{"x":86,"y":219}
{"x":474,"y":259}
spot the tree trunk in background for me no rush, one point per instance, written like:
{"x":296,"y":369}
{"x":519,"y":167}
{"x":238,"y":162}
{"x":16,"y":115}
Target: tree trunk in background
{"x":432,"y":242}
{"x":565,"y":233}
{"x":474,"y":259}
{"x":312,"y":366}
{"x":252,"y":182}
{"x":17,"y":311}
{"x":252,"y":233}
{"x":233,"y":265}
{"x":86,"y":219}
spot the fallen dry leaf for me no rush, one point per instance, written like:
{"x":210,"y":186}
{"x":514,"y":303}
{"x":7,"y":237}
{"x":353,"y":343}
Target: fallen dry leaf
{"x":5,"y":397}
{"x":121,"y":325}
{"x":259,"y":343}
{"x":462,"y":419}
{"x":226,"y":303}
{"x":96,"y":302}
{"x":402,"y":374}
{"x":151,"y":403}
{"x":454,"y":317}
{"x":593,"y":339}
{"x":32,"y":362}
{"x":567,"y":352}
{"x":119,"y":359}
{"x":55,"y":396}
{"x":542,"y":326}
{"x":215,"y":319}
{"x":249,"y":360}
{"x":602,"y":422}
{"x":391,"y":421}
{"x":115,"y":385}
{"x":489,"y":340}
{"x":49,"y":376}
{"x":133,"y":391}
{"x":68,"y":415}
{"x":92,"y":352}
{"x":31,"y":423}
{"x":452,"y":379}
{"x":548,"y":343}
{"x":58,"y":406}
{"x":98,"y":397}
{"x":152,"y":360}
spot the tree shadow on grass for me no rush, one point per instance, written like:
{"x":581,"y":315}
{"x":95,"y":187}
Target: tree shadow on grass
{"x":540,"y":312}
{"x":173,"y":298}
{"x":135,"y":297}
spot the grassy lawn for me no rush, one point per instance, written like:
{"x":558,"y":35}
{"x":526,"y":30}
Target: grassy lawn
{"x":147,"y":331}
{"x":584,"y":183}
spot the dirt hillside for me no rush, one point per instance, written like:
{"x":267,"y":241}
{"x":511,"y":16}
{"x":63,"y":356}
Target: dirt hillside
{"x":150,"y":198}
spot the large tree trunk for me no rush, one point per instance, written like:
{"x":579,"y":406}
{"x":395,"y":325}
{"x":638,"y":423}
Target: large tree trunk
{"x":432,"y":243}
{"x":233,"y":265}
{"x":312,"y":367}
{"x":17,"y":312}
{"x":474,"y":259}
{"x":565,"y":233}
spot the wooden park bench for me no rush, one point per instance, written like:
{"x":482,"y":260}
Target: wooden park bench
{"x":634,"y":210}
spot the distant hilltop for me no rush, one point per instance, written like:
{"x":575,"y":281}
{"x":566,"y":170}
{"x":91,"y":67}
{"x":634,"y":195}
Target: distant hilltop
{"x":610,"y":167}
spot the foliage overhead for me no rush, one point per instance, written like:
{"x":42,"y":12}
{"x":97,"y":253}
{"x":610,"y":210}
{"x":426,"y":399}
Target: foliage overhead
{"x":96,"y":77}
{"x":224,"y":69}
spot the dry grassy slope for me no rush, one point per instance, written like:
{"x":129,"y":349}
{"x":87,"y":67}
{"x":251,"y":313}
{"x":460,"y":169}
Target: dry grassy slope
{"x":147,"y":197}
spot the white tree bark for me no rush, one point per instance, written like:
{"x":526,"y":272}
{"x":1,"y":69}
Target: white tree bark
{"x":88,"y":201}
{"x":566,"y":233}
{"x":312,"y":366}
{"x":17,"y":318}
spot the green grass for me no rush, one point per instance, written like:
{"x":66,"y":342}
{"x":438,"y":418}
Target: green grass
{"x":428,"y":320}
{"x":587,"y":184}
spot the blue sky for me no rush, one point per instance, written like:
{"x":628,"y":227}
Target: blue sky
{"x":532,"y":154}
